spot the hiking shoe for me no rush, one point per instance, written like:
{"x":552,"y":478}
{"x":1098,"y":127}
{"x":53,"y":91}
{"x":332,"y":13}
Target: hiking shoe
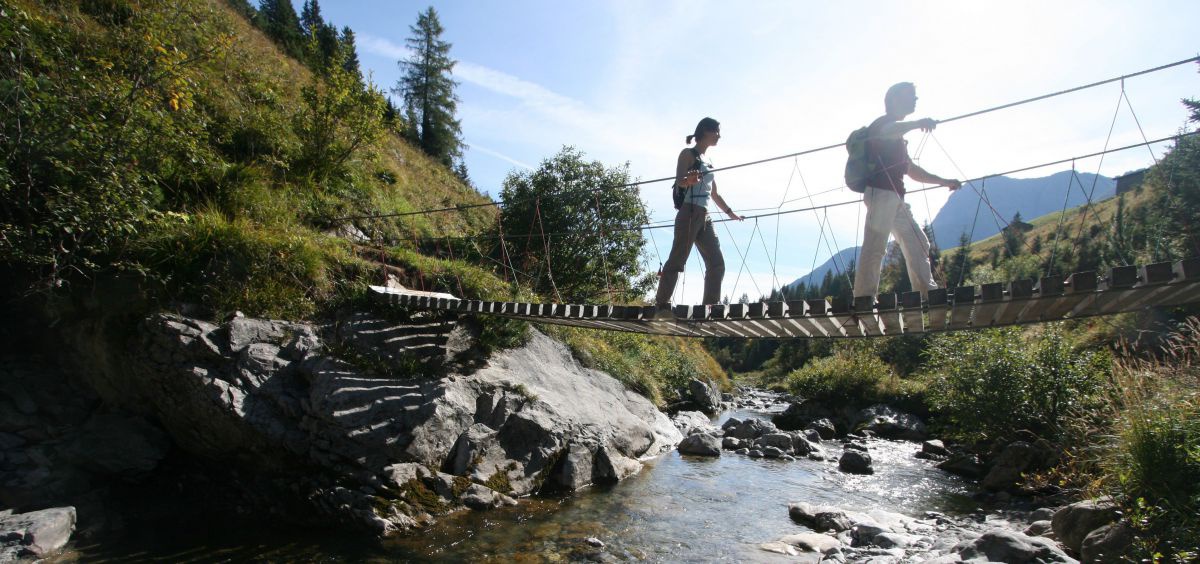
{"x":663,"y":312}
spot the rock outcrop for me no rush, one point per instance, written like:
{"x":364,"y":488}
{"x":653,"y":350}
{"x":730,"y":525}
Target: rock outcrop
{"x":272,"y":396}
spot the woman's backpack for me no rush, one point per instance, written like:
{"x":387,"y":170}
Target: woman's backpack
{"x":678,"y":192}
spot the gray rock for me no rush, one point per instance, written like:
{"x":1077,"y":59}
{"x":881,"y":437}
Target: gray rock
{"x":891,"y":423}
{"x":934,"y":447}
{"x":1074,"y":522}
{"x":855,"y":446}
{"x":705,"y":395}
{"x":801,"y":445}
{"x":1008,"y":468}
{"x":691,"y":422}
{"x":999,"y":545}
{"x":772,"y":452}
{"x":480,"y":498}
{"x":1042,"y":514}
{"x":593,"y":541}
{"x":965,"y":465}
{"x":730,"y":423}
{"x":894,"y":540}
{"x":733,"y":443}
{"x":38,"y":533}
{"x":812,"y":542}
{"x":824,"y":428}
{"x":1109,"y":543}
{"x":820,"y":517}
{"x":118,"y":444}
{"x":1038,"y":528}
{"x":813,"y":436}
{"x":778,"y":547}
{"x":780,"y":441}
{"x":755,"y":453}
{"x":750,"y":429}
{"x":700,"y":444}
{"x":855,"y":462}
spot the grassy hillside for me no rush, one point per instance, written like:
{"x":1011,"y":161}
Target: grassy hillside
{"x":174,"y":146}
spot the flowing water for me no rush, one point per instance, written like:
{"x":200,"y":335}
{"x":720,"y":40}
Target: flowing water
{"x":679,"y":508}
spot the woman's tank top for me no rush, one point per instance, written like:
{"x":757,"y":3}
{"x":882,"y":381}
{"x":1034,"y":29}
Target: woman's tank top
{"x":698,"y":193}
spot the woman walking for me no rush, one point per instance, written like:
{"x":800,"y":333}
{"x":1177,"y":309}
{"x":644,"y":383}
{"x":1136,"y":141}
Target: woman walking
{"x":696,"y":190}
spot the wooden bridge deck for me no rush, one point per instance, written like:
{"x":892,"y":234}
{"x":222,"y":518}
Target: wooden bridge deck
{"x":1052,"y":298}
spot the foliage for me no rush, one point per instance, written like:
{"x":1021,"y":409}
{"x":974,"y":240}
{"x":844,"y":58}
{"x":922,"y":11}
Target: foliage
{"x":989,"y":384}
{"x":653,"y":366}
{"x":572,"y":240}
{"x":427,"y":87}
{"x":854,"y":375}
{"x":98,"y":129}
{"x":338,"y":118}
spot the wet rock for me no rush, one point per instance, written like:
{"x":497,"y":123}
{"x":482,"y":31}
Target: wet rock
{"x":705,"y":395}
{"x":856,"y":462}
{"x":894,"y":540}
{"x":1110,"y":543}
{"x":772,"y":452}
{"x":1038,"y":528}
{"x":593,"y":541}
{"x":480,"y":498}
{"x":813,"y":436}
{"x":700,"y":444}
{"x":780,"y":441}
{"x":999,"y":545}
{"x":823,"y":427}
{"x":750,"y":429}
{"x":965,"y":465}
{"x":38,"y":533}
{"x":820,"y":517}
{"x":799,"y":414}
{"x":891,"y":423}
{"x":1074,"y":522}
{"x":801,"y":445}
{"x":732,"y":443}
{"x":812,"y":542}
{"x":1042,"y":514}
{"x":855,"y":446}
{"x":934,"y":447}
{"x":779,"y":547}
{"x":755,"y":453}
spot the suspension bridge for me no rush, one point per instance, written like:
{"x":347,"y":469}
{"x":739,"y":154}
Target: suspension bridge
{"x":1051,"y":297}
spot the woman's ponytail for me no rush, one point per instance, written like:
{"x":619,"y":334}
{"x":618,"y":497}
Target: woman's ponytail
{"x":689,"y":139}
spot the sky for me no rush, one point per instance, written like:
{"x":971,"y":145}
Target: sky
{"x":626,"y":81}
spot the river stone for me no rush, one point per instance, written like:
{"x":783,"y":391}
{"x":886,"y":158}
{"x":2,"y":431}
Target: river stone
{"x":755,"y":453}
{"x":801,"y":445}
{"x":1074,"y":522}
{"x":999,"y":545}
{"x":751,"y":429}
{"x":479,"y":498}
{"x":779,"y":547}
{"x":700,"y":444}
{"x":855,"y":462}
{"x":1008,"y":468}
{"x":38,"y":533}
{"x":1042,"y":514}
{"x":1109,"y":543}
{"x":705,"y":395}
{"x":812,"y":542}
{"x":772,"y":452}
{"x":891,"y":423}
{"x":823,"y":427}
{"x":819,"y":517}
{"x":1039,"y":528}
{"x":934,"y":447}
{"x":855,"y":446}
{"x":965,"y":465}
{"x":691,"y":422}
{"x":732,"y":443}
{"x":780,"y":441}
{"x":812,"y":435}
{"x":730,"y":423}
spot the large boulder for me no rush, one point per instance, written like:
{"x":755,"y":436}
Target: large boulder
{"x":36,"y":534}
{"x":749,"y":429}
{"x":1075,"y":522}
{"x":690,"y":422}
{"x":965,"y":465}
{"x":999,"y":545}
{"x":705,"y":395}
{"x":855,"y":462}
{"x":1110,"y":543}
{"x":824,"y":428}
{"x":700,"y":444}
{"x":891,"y":423}
{"x":820,"y":517}
{"x":272,"y":398}
{"x":1007,"y":470}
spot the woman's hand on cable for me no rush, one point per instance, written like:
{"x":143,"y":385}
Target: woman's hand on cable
{"x":691,"y":179}
{"x":734,"y":215}
{"x":953,"y":184}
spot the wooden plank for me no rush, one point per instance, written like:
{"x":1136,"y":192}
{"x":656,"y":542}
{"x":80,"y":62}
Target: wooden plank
{"x":962,"y":307}
{"x":816,"y":313}
{"x":889,"y":314}
{"x":912,"y":312}
{"x":991,"y":297}
{"x":937,"y":304}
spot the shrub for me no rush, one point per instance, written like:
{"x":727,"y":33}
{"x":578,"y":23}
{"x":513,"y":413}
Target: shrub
{"x":855,"y":375}
{"x":989,"y":384}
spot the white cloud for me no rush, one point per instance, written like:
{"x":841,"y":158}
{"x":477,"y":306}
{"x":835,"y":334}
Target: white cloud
{"x":382,"y":47}
{"x":499,"y":155}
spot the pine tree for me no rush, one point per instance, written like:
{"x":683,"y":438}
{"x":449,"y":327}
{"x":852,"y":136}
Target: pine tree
{"x":428,"y":91}
{"x":350,"y":53}
{"x":280,"y":22}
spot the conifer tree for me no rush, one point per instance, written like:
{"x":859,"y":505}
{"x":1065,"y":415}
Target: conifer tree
{"x":350,"y":52}
{"x":428,"y":91}
{"x":280,"y":22}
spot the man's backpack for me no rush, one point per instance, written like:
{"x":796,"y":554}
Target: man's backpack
{"x":678,"y":192}
{"x":859,"y":164}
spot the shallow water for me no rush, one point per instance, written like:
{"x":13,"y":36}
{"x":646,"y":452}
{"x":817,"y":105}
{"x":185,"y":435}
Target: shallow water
{"x":678,"y":509}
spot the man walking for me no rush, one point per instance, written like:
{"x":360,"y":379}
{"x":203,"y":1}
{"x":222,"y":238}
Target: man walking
{"x":884,"y":196}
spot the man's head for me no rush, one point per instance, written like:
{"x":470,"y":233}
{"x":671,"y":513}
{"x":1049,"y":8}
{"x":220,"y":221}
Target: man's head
{"x":901,"y":99}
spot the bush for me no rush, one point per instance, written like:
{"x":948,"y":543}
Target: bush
{"x":989,"y":384}
{"x":854,"y":375}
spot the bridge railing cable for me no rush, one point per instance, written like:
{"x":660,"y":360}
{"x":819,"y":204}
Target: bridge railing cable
{"x":464,"y":207}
